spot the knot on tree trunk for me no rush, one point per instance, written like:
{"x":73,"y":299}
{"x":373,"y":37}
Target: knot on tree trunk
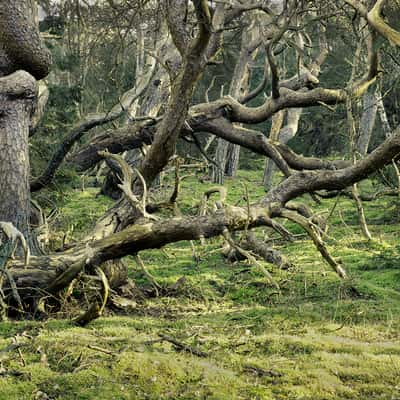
{"x":21,"y":45}
{"x":18,"y":85}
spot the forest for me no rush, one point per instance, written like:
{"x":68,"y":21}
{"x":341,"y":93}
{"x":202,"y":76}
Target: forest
{"x":199,"y":199}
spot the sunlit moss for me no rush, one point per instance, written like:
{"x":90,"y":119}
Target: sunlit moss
{"x":318,"y":339}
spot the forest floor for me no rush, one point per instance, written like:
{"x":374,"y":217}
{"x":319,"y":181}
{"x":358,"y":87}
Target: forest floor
{"x":319,"y":338}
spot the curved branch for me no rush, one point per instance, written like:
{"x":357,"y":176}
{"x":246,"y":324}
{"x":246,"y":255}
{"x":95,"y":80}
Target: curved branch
{"x":114,"y":141}
{"x":376,"y":21}
{"x":88,"y":123}
{"x":316,"y":238}
{"x":310,"y":181}
{"x":254,"y":93}
{"x":283,"y":156}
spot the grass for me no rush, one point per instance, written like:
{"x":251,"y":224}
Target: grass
{"x":318,"y":339}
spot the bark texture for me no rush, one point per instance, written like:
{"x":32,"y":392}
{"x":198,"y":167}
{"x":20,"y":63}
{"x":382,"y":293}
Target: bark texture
{"x":367,"y":123}
{"x":20,"y":43}
{"x":17,"y":95}
{"x":20,"y":49}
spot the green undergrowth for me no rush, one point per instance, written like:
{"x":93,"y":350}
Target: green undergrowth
{"x":316,"y":338}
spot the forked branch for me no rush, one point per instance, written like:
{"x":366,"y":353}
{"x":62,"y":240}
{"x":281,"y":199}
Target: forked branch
{"x":310,"y":228}
{"x":127,"y":182}
{"x":15,"y":236}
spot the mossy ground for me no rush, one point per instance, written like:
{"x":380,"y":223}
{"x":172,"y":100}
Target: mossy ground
{"x":319,"y":338}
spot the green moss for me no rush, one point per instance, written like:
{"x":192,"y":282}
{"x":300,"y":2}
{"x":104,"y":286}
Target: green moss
{"x":317,"y":339}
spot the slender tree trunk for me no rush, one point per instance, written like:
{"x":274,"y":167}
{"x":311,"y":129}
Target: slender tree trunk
{"x":276,"y":124}
{"x":220,"y":158}
{"x":387,"y":129}
{"x":227,"y":154}
{"x":232,"y":164}
{"x":367,"y":123}
{"x":361,"y":215}
{"x":283,"y":135}
{"x":358,"y":145}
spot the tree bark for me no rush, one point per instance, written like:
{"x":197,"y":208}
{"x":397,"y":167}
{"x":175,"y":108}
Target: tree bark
{"x":17,"y":95}
{"x":276,"y":125}
{"x":367,"y":123}
{"x":20,"y":43}
{"x":20,"y":49}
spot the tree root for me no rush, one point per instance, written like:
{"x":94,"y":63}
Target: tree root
{"x":250,"y":243}
{"x":249,"y":256}
{"x":147,"y":274}
{"x":14,"y":235}
{"x":183,"y":346}
{"x":96,"y":309}
{"x":7,"y":251}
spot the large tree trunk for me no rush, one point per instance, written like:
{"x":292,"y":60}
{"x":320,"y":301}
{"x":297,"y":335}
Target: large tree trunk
{"x":20,"y":44}
{"x":20,"y":49}
{"x":16,"y":102}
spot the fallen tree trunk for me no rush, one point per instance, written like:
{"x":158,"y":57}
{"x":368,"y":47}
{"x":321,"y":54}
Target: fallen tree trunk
{"x":48,"y":275}
{"x":115,"y":141}
{"x":132,"y":138}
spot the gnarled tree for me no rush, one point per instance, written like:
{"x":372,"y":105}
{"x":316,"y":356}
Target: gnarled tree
{"x":196,"y":33}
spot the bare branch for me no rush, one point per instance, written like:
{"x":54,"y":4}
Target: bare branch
{"x":126,"y":184}
{"x":376,"y":21}
{"x":316,"y":238}
{"x":88,"y":123}
{"x":14,"y":236}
